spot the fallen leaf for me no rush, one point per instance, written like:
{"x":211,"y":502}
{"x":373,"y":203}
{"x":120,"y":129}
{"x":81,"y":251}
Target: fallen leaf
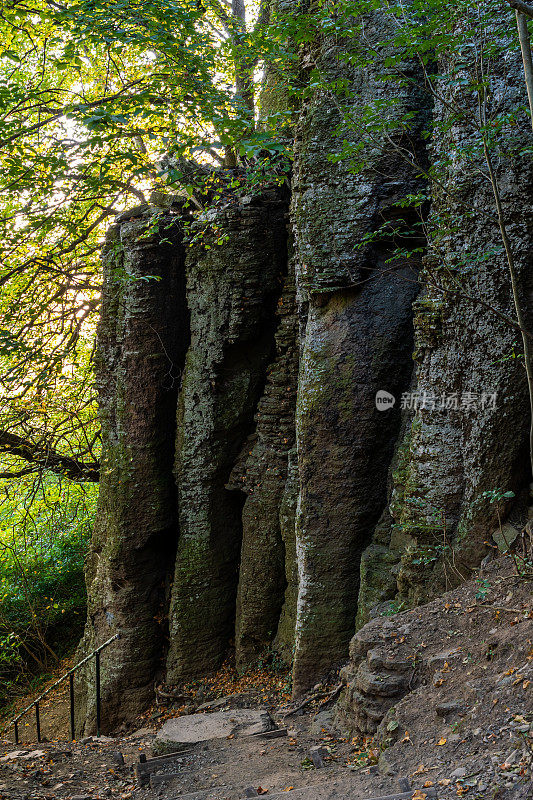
{"x":445,"y":782}
{"x":441,"y":742}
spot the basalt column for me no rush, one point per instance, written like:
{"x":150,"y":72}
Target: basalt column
{"x":469,"y":421}
{"x":234,"y":281}
{"x":263,"y":476}
{"x":357,"y":340}
{"x":142,"y":339}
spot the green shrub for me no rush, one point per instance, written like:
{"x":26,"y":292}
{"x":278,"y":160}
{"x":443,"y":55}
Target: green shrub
{"x":43,"y":540}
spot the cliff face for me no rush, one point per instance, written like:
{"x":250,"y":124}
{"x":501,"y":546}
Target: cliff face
{"x":233,"y":289}
{"x":356,"y":341}
{"x":467,"y":415}
{"x":246,"y":460}
{"x":142,"y":340}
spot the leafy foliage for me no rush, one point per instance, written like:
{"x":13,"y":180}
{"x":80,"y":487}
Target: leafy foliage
{"x":43,"y":539}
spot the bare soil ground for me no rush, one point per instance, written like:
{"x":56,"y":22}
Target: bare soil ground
{"x":466,"y":728}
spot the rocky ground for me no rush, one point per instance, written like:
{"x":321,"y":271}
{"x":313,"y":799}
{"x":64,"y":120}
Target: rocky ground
{"x":448,"y":687}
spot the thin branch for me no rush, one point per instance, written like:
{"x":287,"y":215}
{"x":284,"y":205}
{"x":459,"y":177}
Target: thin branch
{"x":525,"y":46}
{"x":525,"y":8}
{"x":44,"y":457}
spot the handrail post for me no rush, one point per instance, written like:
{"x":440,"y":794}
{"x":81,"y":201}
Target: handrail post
{"x":71,"y":687}
{"x":70,"y":676}
{"x":97,"y":659}
{"x":38,"y":722}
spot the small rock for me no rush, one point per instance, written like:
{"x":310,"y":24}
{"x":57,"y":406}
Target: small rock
{"x":323,"y":721}
{"x":512,"y":758}
{"x":448,"y":708}
{"x":384,"y":765}
{"x":214,"y":704}
{"x":437,"y":661}
{"x":118,"y":758}
{"x":251,"y":791}
{"x":460,"y":772}
{"x":317,"y":754}
{"x":13,"y":755}
{"x":505,"y":538}
{"x":404,"y":784}
{"x":34,"y":754}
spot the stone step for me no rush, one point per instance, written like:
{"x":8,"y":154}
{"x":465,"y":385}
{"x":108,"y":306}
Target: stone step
{"x":149,"y":766}
{"x":334,"y":790}
{"x":182,"y":733}
{"x":337,"y":790}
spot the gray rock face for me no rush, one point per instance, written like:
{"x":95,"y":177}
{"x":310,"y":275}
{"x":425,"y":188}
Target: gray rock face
{"x":284,"y":641}
{"x":357,"y":340}
{"x":263,"y":476}
{"x":464,"y":353}
{"x":185,"y":732}
{"x":142,"y":339}
{"x":298,"y":508}
{"x":232,"y":290}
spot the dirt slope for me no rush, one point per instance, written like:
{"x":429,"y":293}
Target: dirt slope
{"x":460,"y":723}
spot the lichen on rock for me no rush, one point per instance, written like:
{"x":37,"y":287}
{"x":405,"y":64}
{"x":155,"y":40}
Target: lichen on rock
{"x":233,"y":289}
{"x":356,"y":341}
{"x":142,"y":339}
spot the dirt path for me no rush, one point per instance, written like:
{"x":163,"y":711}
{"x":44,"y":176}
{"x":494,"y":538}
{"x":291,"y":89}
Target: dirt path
{"x":463,"y":729}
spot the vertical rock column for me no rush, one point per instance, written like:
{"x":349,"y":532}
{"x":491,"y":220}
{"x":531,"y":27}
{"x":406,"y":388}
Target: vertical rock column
{"x":262,"y":476}
{"x":141,"y":345}
{"x":357,"y":341}
{"x":233,"y":289}
{"x":469,"y":432}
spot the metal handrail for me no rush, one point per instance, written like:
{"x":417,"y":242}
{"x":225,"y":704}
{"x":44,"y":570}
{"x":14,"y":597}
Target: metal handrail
{"x":70,"y":675}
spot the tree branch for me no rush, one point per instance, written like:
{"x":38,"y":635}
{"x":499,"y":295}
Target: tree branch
{"x":43,"y":457}
{"x":525,"y":8}
{"x":525,"y":47}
